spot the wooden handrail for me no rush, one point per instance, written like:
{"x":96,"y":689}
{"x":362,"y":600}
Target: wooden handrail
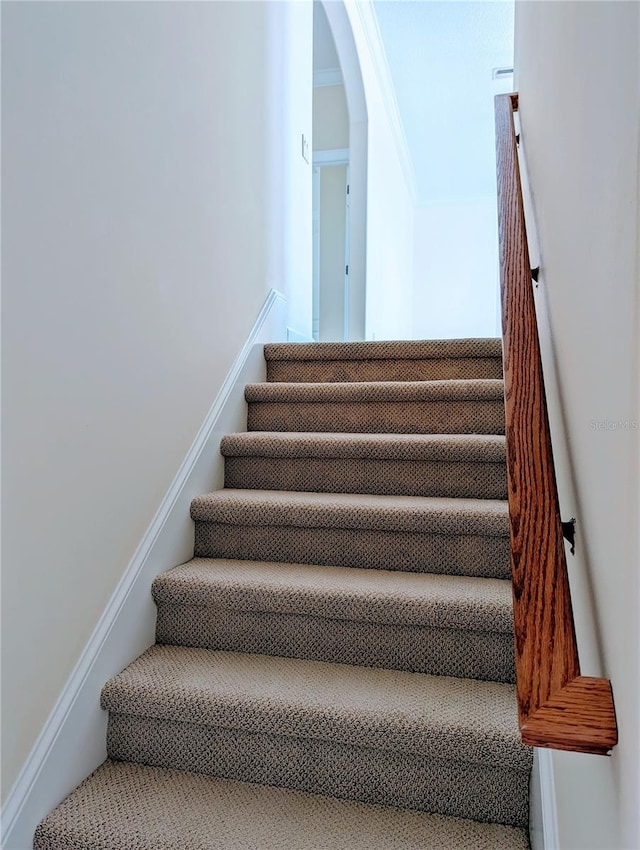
{"x":557,"y":707}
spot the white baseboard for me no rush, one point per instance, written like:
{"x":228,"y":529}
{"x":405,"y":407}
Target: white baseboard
{"x":72,"y":742}
{"x":548,"y":795}
{"x":543,"y":823}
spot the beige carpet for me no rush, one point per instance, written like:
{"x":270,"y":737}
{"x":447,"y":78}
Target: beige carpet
{"x":474,"y":406}
{"x":344,"y":630}
{"x":459,"y":465}
{"x":131,"y":807}
{"x":429,"y":360}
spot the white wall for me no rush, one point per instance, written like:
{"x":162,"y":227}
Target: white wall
{"x":288,"y":114}
{"x":579,"y":102}
{"x":153,"y":193}
{"x":456,"y":287}
{"x":389,"y":247}
{"x":389,"y":301}
{"x":330,"y":118}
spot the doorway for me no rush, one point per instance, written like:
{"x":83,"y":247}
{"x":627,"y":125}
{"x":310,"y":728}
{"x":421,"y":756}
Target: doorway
{"x":339,"y":128}
{"x":331,"y":248}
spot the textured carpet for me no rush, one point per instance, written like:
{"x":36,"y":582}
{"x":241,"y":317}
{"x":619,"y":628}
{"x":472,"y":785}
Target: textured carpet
{"x":380,"y":709}
{"x":427,"y":407}
{"x":130,"y":807}
{"x":462,"y":465}
{"x":473,"y":349}
{"x":385,"y":361}
{"x":446,"y":625}
{"x":342,"y":640}
{"x":418,"y":534}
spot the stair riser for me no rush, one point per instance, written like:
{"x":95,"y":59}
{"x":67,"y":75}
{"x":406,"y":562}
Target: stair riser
{"x":373,"y":417}
{"x":472,"y":555}
{"x":441,"y":652}
{"x":320,"y":371}
{"x":378,"y":477}
{"x":464,"y":790}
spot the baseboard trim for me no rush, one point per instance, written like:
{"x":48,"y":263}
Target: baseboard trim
{"x":47,"y":776}
{"x":548,"y":800}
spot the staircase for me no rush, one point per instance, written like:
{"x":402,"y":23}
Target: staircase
{"x":334,"y":669}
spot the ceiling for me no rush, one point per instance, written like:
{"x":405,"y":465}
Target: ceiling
{"x":441,"y":54}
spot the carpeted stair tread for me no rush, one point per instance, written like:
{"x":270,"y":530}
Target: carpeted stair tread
{"x":422,"y":407}
{"x":457,"y":536}
{"x":442,"y":625}
{"x":407,"y":713}
{"x":385,"y":391}
{"x":458,"y":465}
{"x":457,"y":448}
{"x":385,"y":361}
{"x":424,"y":514}
{"x":379,"y":596}
{"x":126,"y":806}
{"x":386,"y":350}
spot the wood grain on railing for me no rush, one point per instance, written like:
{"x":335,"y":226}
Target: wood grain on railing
{"x":557,"y":706}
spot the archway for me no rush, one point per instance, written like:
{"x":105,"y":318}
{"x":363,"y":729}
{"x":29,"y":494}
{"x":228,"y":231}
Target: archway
{"x":340,"y":26}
